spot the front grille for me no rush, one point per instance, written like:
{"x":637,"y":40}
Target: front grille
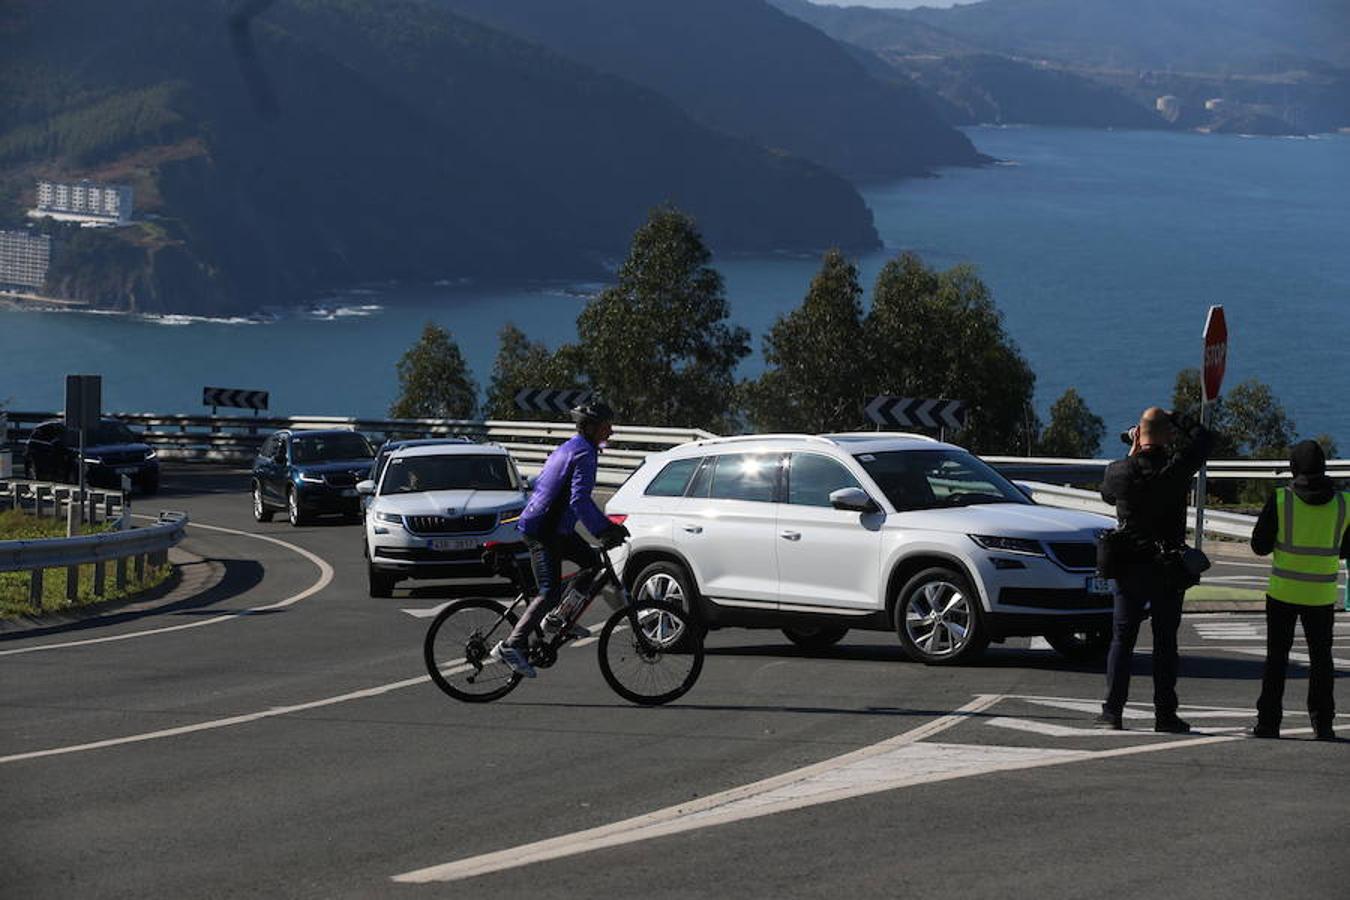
{"x":1043,"y":598}
{"x":123,"y":459}
{"x":425,"y":554}
{"x":476,"y":524}
{"x":340,"y":479}
{"x":1075,"y":555}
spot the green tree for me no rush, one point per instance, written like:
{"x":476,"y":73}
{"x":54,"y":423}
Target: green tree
{"x":434,"y":382}
{"x":657,"y":345}
{"x":522,"y":363}
{"x":1074,"y":431}
{"x":939,"y":334}
{"x":1249,"y":419}
{"x":815,"y":356}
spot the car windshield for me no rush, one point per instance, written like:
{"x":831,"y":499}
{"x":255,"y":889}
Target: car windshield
{"x":933,"y":479}
{"x":330,"y":447}
{"x":460,"y":472}
{"x":107,"y":432}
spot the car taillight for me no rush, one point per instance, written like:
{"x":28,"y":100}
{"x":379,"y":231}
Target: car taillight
{"x":617,"y":519}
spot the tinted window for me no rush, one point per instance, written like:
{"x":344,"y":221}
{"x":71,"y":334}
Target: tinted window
{"x":703,"y":478}
{"x":812,"y":478}
{"x":745,"y":476}
{"x":410,"y":474}
{"x":269,"y":448}
{"x":47,"y":433}
{"x":329,"y":447}
{"x":673,"y":479}
{"x":927,"y":479}
{"x":109,"y":432}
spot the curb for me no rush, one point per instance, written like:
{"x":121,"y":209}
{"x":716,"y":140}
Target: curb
{"x":192,"y":575}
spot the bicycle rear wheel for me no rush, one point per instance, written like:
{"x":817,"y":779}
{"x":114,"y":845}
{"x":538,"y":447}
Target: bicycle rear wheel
{"x":657,"y":664}
{"x":457,"y":646}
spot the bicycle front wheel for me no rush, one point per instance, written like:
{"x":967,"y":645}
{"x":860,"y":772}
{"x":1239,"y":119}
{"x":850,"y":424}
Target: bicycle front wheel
{"x":457,"y":647}
{"x":657,"y":662}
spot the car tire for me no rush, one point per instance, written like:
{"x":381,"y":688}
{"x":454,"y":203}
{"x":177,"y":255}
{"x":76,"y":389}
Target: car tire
{"x":817,"y":637}
{"x":381,"y":583}
{"x":294,"y":514}
{"x":1081,"y":646}
{"x":938,"y":618}
{"x":669,"y":582}
{"x":150,"y":488}
{"x":260,"y":511}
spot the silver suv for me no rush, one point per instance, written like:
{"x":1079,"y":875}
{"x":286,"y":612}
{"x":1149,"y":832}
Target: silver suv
{"x":817,"y":535}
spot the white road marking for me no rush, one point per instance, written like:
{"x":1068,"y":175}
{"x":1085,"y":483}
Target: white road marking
{"x":1039,"y":643}
{"x":1294,"y":655}
{"x":1051,"y":730}
{"x":325,"y":576}
{"x":427,"y":613}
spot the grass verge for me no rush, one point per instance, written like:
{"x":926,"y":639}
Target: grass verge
{"x":14,"y":586}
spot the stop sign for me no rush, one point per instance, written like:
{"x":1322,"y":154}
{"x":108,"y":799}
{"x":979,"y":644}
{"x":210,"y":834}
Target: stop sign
{"x":1216,"y":352}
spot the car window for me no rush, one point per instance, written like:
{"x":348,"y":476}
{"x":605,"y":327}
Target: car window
{"x":111,"y":432}
{"x":673,"y":479}
{"x":269,"y":448}
{"x":702,"y":478}
{"x":333,"y":447}
{"x":410,"y":474}
{"x":812,"y":478}
{"x":929,"y":479}
{"x":47,"y":433}
{"x":745,"y":476}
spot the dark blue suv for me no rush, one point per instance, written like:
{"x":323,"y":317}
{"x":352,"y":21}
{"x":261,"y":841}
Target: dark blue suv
{"x":111,"y":450}
{"x":310,"y":473}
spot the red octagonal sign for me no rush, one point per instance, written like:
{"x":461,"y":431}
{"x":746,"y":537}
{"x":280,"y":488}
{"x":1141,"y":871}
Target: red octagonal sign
{"x":1216,"y":352}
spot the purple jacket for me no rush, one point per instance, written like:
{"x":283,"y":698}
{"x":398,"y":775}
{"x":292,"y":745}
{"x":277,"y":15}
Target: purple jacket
{"x":562,"y":493}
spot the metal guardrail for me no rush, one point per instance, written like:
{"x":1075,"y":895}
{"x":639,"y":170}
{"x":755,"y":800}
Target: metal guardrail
{"x":1263,"y":469}
{"x":1227,"y":524}
{"x":38,"y":496}
{"x":143,"y":546}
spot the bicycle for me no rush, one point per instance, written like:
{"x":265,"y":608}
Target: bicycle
{"x":651,"y":651}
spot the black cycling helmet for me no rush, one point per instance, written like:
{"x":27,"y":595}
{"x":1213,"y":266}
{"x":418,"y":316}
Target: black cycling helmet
{"x":592,"y":412}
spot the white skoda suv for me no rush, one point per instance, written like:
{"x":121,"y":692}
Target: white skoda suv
{"x":434,"y":508}
{"x":817,"y":535}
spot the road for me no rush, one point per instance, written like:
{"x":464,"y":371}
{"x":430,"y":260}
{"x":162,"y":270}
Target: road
{"x":278,"y":738}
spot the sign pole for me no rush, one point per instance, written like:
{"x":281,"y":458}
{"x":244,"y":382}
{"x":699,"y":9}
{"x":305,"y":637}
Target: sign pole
{"x":1206,"y":414}
{"x":1213,"y":363}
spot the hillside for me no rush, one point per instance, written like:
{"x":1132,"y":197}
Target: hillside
{"x":363,"y":140}
{"x":748,"y":69}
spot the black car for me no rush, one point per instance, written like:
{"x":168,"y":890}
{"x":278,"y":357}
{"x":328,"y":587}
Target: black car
{"x":111,"y":450}
{"x":310,"y":473}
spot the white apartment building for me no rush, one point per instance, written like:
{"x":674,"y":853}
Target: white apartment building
{"x":83,"y":201}
{"x":24,"y":258}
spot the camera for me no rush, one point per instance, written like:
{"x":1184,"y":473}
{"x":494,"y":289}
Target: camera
{"x":1127,"y":436}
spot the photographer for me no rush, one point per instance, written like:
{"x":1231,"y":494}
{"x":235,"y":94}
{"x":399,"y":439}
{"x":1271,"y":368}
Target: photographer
{"x":1149,"y":489}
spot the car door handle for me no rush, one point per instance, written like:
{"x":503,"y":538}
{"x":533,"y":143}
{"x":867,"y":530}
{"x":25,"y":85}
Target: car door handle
{"x":694,"y":529}
{"x":791,"y":535}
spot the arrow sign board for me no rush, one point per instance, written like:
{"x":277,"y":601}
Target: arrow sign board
{"x":1216,"y":352}
{"x":550,"y":400}
{"x":914,"y":412}
{"x":232,"y":397}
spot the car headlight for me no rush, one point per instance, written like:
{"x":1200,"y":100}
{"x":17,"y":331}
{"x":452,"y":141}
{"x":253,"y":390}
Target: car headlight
{"x":1024,"y":546}
{"x":311,"y":479}
{"x":391,"y":518}
{"x":150,"y":454}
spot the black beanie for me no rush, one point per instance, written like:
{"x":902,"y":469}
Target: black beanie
{"x":1307,"y":458}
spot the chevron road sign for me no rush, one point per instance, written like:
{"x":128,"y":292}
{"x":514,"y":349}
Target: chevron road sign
{"x":912,"y":412}
{"x":237,"y":399}
{"x":549,"y":400}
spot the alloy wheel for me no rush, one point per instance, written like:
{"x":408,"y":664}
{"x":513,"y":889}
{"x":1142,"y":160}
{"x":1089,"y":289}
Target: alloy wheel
{"x":938,"y":619}
{"x":662,"y":587}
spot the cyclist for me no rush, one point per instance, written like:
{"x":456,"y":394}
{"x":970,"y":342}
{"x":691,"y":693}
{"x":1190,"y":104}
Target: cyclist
{"x":562,"y":497}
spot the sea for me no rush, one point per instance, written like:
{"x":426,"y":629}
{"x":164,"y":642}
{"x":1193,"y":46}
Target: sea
{"x":1103,"y":250}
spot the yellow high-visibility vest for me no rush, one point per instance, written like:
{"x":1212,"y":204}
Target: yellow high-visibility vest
{"x":1307,"y":549}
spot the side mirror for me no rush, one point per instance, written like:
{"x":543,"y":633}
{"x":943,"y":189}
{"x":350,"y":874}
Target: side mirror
{"x":365,"y":488}
{"x":853,"y":500}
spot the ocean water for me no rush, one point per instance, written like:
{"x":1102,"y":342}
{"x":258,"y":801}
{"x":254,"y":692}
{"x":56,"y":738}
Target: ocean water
{"x":1103,"y":249}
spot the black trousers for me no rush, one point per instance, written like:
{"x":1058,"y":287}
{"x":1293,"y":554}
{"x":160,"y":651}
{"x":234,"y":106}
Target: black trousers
{"x":546,"y":558}
{"x":1142,"y":590}
{"x":1317,"y":630}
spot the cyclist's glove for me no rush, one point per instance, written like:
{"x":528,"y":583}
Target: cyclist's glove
{"x":613,"y":536}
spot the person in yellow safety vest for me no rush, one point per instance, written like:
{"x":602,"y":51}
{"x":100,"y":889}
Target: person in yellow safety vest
{"x":1307,"y":526}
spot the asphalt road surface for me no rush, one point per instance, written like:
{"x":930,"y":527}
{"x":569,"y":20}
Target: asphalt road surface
{"x":277,"y":737}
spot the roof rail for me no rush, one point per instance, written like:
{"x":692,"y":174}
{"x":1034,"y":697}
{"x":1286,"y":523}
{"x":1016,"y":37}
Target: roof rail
{"x":743,"y":438}
{"x":884,"y":434}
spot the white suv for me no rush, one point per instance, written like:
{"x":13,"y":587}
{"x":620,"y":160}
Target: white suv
{"x":819,"y":534}
{"x":434,"y":508}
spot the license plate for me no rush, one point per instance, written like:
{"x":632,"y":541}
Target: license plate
{"x":349,"y":492}
{"x":130,"y":471}
{"x":453,"y":544}
{"x":1097,"y":585}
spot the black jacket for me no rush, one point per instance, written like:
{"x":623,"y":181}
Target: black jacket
{"x":1150,"y":489}
{"x":1316,"y":490}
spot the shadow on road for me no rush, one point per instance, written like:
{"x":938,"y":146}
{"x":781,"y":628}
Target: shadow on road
{"x":241,"y":576}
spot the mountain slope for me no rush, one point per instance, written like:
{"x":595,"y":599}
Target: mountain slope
{"x":748,"y":69}
{"x":383,"y":139}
